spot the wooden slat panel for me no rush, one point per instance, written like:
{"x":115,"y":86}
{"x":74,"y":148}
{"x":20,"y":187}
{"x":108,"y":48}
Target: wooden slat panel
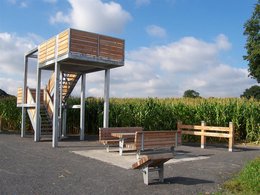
{"x":64,"y":34}
{"x":82,"y":34}
{"x":63,"y":47}
{"x":20,"y":95}
{"x":42,"y":52}
{"x":106,"y":39}
{"x":83,"y":42}
{"x":63,"y":43}
{"x":85,"y":50}
{"x":110,"y":56}
{"x":155,"y":139}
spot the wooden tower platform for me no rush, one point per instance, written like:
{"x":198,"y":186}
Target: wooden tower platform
{"x":80,"y":51}
{"x":70,"y":55}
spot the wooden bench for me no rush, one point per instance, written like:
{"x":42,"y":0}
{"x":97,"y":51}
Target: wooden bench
{"x":108,"y":140}
{"x":152,"y":162}
{"x":208,"y":131}
{"x":153,"y":140}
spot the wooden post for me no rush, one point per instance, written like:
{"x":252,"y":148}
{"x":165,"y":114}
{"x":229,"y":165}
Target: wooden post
{"x":179,"y":135}
{"x":231,"y":138}
{"x":203,"y":137}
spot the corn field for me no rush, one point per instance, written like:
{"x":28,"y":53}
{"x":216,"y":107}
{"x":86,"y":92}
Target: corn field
{"x":157,"y":114}
{"x":10,"y":115}
{"x":163,"y":114}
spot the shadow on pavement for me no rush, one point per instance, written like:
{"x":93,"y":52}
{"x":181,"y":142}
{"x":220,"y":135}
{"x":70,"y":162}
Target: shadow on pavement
{"x":185,"y":181}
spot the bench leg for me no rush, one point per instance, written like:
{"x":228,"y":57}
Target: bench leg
{"x":203,"y":141}
{"x":161,"y":173}
{"x":107,"y":147}
{"x":230,"y":144}
{"x":160,"y":170}
{"x":121,"y":147}
{"x":146,"y":175}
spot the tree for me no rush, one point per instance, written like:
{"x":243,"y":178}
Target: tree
{"x":252,"y":31}
{"x":253,"y":91}
{"x":191,"y":94}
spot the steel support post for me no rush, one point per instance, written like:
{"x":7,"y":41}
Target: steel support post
{"x":24,"y":98}
{"x":55,"y":125}
{"x":82,"y":107}
{"x":37,"y":132}
{"x":64,"y":122}
{"x":60,"y":108}
{"x":106,"y":98}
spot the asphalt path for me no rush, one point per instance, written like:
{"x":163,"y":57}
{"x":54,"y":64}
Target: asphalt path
{"x":27,"y":167}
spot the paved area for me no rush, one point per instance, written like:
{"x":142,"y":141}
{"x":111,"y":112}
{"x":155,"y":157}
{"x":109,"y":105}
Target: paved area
{"x":27,"y":167}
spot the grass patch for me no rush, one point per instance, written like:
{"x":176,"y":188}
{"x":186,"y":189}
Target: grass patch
{"x":247,"y":181}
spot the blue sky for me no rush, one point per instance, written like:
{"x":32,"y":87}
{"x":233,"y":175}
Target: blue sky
{"x":171,"y":45}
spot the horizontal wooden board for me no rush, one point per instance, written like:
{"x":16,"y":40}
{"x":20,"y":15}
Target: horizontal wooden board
{"x":217,"y":128}
{"x":86,"y":44}
{"x":84,"y":39}
{"x":110,"y":56}
{"x":63,"y":47}
{"x":65,"y":39}
{"x":64,"y":34}
{"x":110,"y":39}
{"x":75,"y":33}
{"x":62,"y":52}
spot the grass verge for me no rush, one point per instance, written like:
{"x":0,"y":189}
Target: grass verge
{"x":247,"y":181}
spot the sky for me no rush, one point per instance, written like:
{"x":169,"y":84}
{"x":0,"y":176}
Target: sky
{"x":171,"y":45}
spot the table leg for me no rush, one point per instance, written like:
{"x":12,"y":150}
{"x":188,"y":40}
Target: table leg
{"x":121,"y":146}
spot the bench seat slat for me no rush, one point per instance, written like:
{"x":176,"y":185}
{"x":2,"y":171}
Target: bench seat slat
{"x":152,"y":160}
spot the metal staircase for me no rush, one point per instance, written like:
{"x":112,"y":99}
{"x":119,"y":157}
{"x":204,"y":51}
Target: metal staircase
{"x":46,"y":122}
{"x":68,"y":82}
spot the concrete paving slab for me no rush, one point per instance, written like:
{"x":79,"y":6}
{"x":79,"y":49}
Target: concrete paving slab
{"x":128,"y":159}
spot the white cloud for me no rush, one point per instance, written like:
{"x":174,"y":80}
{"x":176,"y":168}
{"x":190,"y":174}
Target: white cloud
{"x":222,"y":42}
{"x":94,"y":15}
{"x":158,"y":71}
{"x":156,"y":31}
{"x":60,"y":17}
{"x":12,"y":49}
{"x":169,"y":70}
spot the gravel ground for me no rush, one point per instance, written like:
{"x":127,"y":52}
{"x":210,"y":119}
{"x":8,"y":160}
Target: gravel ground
{"x":27,"y":168}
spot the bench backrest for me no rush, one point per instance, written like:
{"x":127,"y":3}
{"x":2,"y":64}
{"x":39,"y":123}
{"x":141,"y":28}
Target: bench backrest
{"x":155,"y":139}
{"x":105,"y":133}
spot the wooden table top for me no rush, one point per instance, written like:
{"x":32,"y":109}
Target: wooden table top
{"x":123,"y":135}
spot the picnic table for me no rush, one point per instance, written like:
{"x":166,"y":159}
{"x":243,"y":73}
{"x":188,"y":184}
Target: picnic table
{"x":122,"y":136}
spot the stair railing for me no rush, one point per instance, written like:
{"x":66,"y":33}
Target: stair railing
{"x":48,"y":103}
{"x":51,"y":83}
{"x":31,"y":111}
